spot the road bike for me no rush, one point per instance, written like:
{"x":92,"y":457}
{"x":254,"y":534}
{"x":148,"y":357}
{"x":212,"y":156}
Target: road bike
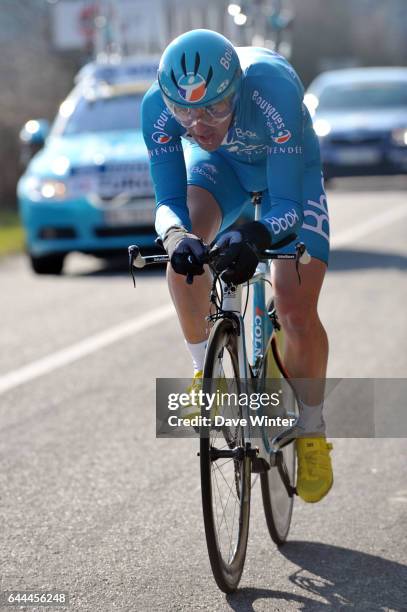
{"x":234,"y":445}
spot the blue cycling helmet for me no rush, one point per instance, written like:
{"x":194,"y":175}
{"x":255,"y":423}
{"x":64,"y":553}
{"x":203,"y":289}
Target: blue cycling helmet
{"x":199,"y":68}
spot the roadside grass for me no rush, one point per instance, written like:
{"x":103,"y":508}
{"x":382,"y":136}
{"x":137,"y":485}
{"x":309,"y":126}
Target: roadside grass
{"x":11,"y":233}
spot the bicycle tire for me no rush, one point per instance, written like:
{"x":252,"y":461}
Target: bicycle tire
{"x":227,"y":572}
{"x":277,"y":503}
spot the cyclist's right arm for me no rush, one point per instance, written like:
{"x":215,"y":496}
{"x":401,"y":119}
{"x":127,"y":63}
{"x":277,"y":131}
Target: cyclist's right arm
{"x":162,"y":135}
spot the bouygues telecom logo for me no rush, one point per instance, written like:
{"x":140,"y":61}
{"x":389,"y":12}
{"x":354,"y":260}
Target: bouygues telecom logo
{"x":161,"y":137}
{"x":282,"y":137}
{"x":192,"y":87}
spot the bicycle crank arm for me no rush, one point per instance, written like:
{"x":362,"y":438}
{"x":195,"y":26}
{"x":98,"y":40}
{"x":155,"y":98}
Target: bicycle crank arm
{"x":282,"y":470}
{"x":281,"y":440}
{"x":238,"y":453}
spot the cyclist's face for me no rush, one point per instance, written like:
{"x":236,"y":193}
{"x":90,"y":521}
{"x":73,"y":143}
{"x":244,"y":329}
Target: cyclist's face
{"x":208,"y":124}
{"x":209,"y":137}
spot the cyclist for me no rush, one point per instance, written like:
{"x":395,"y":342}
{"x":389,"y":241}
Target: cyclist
{"x":244,"y":128}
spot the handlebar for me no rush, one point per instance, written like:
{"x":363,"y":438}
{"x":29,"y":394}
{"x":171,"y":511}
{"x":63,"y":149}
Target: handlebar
{"x":136,"y":260}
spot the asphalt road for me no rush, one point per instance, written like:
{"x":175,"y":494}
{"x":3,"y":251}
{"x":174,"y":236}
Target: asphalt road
{"x":92,"y":504}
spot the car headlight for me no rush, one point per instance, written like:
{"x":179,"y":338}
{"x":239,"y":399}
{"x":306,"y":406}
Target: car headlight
{"x":46,"y":189}
{"x":399,"y":137}
{"x":311,"y":102}
{"x":322,"y":127}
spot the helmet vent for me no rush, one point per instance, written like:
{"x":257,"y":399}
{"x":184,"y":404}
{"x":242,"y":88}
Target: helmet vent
{"x":174,"y":80}
{"x":197,"y":62}
{"x":209,"y":77}
{"x":183,"y":64}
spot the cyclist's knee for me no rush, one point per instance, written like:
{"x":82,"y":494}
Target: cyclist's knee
{"x":297,"y":303}
{"x":297,"y":319}
{"x":204,"y":212}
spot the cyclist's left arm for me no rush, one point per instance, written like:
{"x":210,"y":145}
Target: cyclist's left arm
{"x":285,"y":156}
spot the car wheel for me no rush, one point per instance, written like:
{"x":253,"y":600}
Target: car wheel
{"x":48,"y":264}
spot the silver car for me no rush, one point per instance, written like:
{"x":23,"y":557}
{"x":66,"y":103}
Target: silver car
{"x":360,"y":117}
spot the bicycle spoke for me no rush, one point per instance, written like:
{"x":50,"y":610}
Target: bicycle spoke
{"x":224,"y":519}
{"x":223,"y":513}
{"x":225,"y":462}
{"x":227,"y":484}
{"x":233,"y":523}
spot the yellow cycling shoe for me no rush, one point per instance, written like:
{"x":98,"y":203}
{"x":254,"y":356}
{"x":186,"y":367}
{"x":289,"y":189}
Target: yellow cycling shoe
{"x":314,"y":475}
{"x":194,"y":408}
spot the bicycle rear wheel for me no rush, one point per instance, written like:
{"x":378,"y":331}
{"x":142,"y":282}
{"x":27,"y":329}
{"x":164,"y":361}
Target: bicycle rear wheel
{"x":225,"y":466}
{"x":277,"y":502}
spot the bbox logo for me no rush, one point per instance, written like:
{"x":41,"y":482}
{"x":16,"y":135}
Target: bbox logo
{"x":282,"y":137}
{"x":210,"y":168}
{"x":281,"y":224}
{"x":226,"y":59}
{"x":161,"y":137}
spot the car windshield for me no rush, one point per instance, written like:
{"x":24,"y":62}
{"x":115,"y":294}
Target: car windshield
{"x":363,"y":96}
{"x":104,"y":115}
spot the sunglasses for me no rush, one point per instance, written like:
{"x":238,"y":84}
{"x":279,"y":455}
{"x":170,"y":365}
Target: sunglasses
{"x":210,"y":115}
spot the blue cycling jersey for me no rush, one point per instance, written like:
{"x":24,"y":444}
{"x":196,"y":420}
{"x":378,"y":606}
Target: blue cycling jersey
{"x":269,"y":144}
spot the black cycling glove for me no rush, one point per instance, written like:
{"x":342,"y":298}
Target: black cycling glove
{"x":186,"y":251}
{"x":240,"y":250}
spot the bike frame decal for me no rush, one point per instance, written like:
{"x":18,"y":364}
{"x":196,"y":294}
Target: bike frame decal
{"x":262,"y":326}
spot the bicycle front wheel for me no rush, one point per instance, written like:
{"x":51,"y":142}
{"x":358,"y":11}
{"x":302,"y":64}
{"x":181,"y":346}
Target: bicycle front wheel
{"x":277,"y":501}
{"x":225,"y":465}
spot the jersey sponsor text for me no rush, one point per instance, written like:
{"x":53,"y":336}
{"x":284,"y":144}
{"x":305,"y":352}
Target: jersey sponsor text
{"x":297,"y":150}
{"x":282,"y":224}
{"x":162,"y":150}
{"x":268,"y":110}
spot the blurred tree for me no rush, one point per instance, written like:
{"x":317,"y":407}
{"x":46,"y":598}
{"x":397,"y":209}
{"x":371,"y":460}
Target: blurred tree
{"x":33,"y":78}
{"x":329,"y":34}
{"x":321,"y":32}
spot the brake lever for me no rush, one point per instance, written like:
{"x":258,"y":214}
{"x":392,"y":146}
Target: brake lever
{"x":207,"y":259}
{"x":214,"y":252}
{"x":302,"y":256}
{"x":159,"y":242}
{"x":133,"y":251}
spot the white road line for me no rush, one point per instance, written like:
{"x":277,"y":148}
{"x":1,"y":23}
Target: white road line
{"x":85,"y":347}
{"x":114,"y":334}
{"x":370,"y":226}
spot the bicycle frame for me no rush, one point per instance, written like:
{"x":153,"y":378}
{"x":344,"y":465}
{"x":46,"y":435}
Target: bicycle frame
{"x":268,"y":451}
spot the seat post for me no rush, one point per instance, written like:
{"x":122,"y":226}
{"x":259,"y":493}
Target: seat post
{"x":256,"y":197}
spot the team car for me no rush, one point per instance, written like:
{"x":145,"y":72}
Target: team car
{"x":360,"y":117}
{"x":87,"y":187}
